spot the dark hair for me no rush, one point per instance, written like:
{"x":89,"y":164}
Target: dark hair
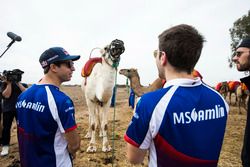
{"x":182,"y":45}
{"x":46,"y":69}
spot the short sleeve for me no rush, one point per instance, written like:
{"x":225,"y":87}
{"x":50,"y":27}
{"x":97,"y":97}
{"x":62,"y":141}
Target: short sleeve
{"x":138,"y":129}
{"x":67,"y":115}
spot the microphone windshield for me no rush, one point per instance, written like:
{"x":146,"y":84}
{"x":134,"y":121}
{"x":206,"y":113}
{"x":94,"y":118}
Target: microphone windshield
{"x":14,"y":36}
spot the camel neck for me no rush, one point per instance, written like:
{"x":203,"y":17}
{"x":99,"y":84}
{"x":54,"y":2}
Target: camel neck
{"x":135,"y":82}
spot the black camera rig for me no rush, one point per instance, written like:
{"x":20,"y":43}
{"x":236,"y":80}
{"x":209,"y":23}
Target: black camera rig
{"x":16,"y":74}
{"x":12,"y":76}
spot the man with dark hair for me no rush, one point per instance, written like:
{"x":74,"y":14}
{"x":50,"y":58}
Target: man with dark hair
{"x":178,"y":124}
{"x":47,"y":130}
{"x":242,"y":61}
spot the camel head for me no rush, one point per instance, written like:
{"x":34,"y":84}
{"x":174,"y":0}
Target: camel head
{"x":129,"y":72}
{"x":113,"y":51}
{"x":223,"y":88}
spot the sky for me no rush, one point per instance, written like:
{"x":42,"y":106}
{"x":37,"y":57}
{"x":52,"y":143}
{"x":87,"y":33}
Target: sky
{"x":81,"y":25}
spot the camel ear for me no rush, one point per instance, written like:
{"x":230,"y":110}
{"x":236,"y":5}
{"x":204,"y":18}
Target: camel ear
{"x":102,"y":51}
{"x":106,"y":48}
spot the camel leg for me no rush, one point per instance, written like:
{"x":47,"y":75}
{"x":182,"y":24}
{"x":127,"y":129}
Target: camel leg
{"x":239,"y":103}
{"x":236,"y":99}
{"x":230,"y":98}
{"x":92,"y":144}
{"x":88,"y":135}
{"x":225,"y":95}
{"x":98,"y":121}
{"x":104,"y":128}
{"x":245,"y":102}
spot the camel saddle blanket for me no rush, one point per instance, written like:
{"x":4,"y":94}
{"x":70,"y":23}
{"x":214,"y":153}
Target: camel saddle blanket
{"x":243,"y":87}
{"x":232,"y":85}
{"x":218,"y":86}
{"x":88,"y":67}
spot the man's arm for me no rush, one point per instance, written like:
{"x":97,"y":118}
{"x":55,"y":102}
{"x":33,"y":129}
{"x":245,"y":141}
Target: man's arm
{"x":8,"y":90}
{"x":134,"y":154}
{"x":73,"y":140}
{"x":21,"y":87}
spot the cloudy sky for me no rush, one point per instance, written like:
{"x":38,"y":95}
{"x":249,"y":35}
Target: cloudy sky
{"x":81,"y":25}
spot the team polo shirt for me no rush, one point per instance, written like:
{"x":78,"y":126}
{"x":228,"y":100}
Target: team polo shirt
{"x":182,"y":124}
{"x":44,"y":115}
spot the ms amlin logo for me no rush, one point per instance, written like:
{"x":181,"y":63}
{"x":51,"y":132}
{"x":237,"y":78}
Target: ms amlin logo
{"x":197,"y":116}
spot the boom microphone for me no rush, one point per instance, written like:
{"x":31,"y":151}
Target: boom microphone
{"x":14,"y":36}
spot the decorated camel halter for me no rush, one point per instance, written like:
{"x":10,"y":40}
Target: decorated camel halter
{"x":115,"y":49}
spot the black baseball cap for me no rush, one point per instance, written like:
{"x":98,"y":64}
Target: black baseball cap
{"x":55,"y":54}
{"x":244,"y":43}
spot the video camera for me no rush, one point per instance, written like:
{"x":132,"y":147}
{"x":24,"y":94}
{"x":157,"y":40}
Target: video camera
{"x":12,"y":76}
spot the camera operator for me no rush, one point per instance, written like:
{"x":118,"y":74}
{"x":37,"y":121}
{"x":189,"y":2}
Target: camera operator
{"x":1,"y":123}
{"x":11,"y":89}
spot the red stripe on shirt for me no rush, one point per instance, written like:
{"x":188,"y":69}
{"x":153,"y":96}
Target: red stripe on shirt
{"x":130,"y":141}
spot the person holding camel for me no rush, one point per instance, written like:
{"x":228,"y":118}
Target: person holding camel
{"x":177,"y":124}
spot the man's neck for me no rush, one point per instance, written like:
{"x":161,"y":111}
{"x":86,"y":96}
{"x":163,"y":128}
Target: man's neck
{"x":47,"y":79}
{"x":171,"y":74}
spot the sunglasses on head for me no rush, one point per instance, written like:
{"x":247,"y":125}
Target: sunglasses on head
{"x":156,"y":53}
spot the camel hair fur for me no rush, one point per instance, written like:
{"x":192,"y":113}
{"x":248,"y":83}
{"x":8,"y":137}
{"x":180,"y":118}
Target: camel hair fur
{"x":98,"y":92}
{"x":135,"y":84}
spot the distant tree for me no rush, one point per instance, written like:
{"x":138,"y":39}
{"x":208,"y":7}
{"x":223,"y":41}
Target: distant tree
{"x":239,"y":31}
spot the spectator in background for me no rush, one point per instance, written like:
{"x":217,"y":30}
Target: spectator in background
{"x":11,"y":89}
{"x":131,"y":100}
{"x":242,"y":61}
{"x":172,"y":122}
{"x":47,"y":130}
{"x":112,"y":104}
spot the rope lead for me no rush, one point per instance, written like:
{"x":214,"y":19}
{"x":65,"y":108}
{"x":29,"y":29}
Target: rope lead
{"x":113,"y":128}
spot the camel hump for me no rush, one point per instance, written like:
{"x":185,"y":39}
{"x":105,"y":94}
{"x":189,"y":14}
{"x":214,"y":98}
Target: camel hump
{"x":88,"y":67}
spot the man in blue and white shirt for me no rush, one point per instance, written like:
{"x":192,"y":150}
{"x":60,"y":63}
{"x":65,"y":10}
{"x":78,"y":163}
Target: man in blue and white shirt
{"x":47,"y":133}
{"x":184,"y":123}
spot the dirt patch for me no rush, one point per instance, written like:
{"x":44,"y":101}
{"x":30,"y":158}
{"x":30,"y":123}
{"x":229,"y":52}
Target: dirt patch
{"x":230,"y":155}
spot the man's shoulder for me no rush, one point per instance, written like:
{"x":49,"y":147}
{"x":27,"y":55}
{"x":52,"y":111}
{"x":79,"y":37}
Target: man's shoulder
{"x":25,"y":85}
{"x":59,"y":96}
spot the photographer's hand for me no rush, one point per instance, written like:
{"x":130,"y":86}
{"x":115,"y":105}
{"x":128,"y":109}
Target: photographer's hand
{"x":21,"y":87}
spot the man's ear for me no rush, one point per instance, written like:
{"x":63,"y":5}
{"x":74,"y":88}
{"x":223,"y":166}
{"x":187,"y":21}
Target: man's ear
{"x":53,"y":67}
{"x":163,"y":58}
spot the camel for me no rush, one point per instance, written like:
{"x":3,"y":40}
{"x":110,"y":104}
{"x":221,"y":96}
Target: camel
{"x":222,"y":88}
{"x":135,"y":83}
{"x":242,"y":93}
{"x":232,"y":87}
{"x":98,"y":91}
